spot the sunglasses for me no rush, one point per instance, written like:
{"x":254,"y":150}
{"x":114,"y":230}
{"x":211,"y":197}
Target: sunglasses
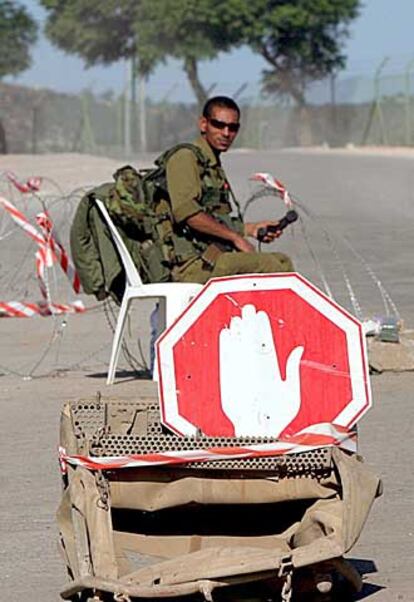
{"x":221,"y":125}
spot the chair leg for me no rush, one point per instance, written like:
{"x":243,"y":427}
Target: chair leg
{"x":118,"y":336}
{"x":161,"y":325}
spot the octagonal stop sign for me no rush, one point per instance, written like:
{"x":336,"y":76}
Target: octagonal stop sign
{"x":262,"y":355}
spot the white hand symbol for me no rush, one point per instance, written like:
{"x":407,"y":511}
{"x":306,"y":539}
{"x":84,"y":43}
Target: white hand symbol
{"x":253,"y":395}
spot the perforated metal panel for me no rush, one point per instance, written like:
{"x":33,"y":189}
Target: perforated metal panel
{"x":111,"y":428}
{"x":87,"y":418}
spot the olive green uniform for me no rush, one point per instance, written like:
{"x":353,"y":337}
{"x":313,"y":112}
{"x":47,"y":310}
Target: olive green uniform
{"x":194,"y":188}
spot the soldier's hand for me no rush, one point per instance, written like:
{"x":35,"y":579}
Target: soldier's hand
{"x":243,"y":245}
{"x":252,"y":230}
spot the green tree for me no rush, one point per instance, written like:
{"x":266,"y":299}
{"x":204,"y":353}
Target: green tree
{"x":18,"y":31}
{"x":188,"y":30}
{"x":101,"y":32}
{"x":301,"y":40}
{"x":98,"y":31}
{"x":150,"y":31}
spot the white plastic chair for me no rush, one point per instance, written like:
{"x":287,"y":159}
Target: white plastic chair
{"x":173,"y":296}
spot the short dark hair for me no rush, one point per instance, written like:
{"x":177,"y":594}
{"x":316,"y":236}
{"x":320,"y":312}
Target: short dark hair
{"x":223,"y":102}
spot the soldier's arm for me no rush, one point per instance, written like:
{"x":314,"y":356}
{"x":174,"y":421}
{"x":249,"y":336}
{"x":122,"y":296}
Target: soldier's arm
{"x":206,"y":224}
{"x":252,"y":228}
{"x":184,"y":188}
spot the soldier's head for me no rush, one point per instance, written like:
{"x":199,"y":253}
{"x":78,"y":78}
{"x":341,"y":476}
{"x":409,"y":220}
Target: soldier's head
{"x":220,"y":122}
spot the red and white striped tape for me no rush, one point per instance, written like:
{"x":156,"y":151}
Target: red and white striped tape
{"x":31,"y":185}
{"x":272,"y":182}
{"x":57,"y":250}
{"x":49,"y":250}
{"x":311,"y":438}
{"x":16,"y":309}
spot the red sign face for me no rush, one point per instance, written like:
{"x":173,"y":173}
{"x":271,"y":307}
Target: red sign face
{"x":263,"y":355}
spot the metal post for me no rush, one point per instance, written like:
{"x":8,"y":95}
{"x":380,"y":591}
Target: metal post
{"x":240,"y":90}
{"x":376,"y":105}
{"x":168,"y":95}
{"x":133,"y":106}
{"x":142,"y":115}
{"x":35,"y":128}
{"x":127,"y":111}
{"x":378,"y":97}
{"x":210,"y":89}
{"x":334,"y":115}
{"x":408,"y":72}
{"x":87,"y":135}
{"x":119,"y":108}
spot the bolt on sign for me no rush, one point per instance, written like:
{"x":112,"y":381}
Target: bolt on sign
{"x":262,"y":355}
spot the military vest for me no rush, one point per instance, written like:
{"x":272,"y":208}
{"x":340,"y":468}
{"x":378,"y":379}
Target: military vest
{"x":139,"y":205}
{"x":215,"y":201}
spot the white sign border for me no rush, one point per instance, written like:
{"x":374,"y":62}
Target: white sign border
{"x":357,"y":353}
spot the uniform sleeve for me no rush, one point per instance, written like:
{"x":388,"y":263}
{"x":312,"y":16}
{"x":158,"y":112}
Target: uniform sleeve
{"x":184,"y":185}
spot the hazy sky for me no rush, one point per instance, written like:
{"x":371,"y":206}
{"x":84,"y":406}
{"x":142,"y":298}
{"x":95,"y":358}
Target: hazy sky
{"x":385,"y":27}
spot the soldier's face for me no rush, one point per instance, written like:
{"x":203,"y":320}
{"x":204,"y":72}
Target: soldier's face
{"x":220,"y":129}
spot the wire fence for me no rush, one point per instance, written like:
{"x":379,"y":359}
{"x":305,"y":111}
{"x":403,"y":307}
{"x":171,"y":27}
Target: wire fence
{"x":361,"y":110}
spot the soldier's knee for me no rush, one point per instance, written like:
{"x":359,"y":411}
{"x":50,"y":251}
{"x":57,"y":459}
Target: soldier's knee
{"x":287,"y":263}
{"x":282,"y":263}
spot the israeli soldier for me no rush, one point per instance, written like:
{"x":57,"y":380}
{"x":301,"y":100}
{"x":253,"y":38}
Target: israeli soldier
{"x":209,"y":240}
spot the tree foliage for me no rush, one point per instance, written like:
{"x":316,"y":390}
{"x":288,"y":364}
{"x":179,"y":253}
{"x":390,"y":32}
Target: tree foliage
{"x":18,"y":31}
{"x":105,"y":31}
{"x":98,"y":31}
{"x":301,"y":40}
{"x":189,"y":30}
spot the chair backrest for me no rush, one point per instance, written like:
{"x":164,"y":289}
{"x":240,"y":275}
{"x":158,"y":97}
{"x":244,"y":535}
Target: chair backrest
{"x":131,"y":271}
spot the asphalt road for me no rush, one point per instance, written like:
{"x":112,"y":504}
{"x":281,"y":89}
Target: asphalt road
{"x":366,"y":198}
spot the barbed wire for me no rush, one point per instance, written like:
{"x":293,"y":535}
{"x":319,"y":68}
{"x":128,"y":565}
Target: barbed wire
{"x":19,"y":283}
{"x":18,"y":278}
{"x":336,"y":244}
